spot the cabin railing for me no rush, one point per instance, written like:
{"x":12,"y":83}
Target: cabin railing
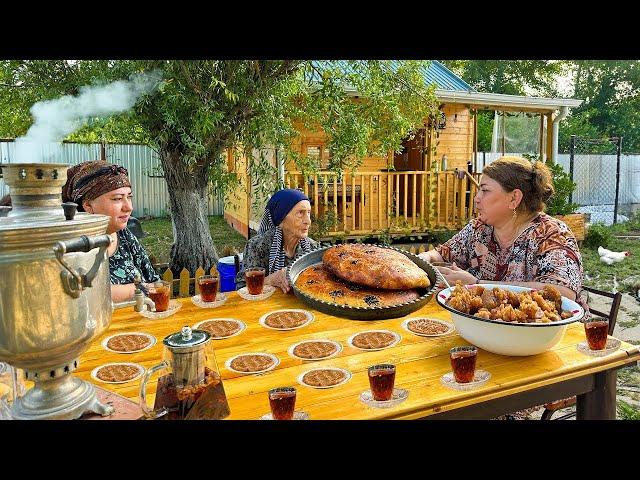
{"x":361,"y":203}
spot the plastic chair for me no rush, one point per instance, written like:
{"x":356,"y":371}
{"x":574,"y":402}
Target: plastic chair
{"x":552,"y":407}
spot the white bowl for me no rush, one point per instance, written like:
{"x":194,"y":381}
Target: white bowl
{"x":510,"y":338}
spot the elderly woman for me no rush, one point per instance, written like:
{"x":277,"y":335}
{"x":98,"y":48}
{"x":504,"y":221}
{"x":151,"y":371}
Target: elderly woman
{"x":100,"y":187}
{"x":282,"y":236}
{"x":512,"y":241}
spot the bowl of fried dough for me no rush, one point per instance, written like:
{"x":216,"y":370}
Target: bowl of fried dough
{"x":508,"y":319}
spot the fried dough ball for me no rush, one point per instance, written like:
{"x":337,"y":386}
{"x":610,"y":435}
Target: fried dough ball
{"x":542,"y":303}
{"x":509,"y":306}
{"x":553,"y":295}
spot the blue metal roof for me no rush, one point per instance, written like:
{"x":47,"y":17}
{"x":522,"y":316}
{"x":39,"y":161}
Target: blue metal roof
{"x":435,"y":72}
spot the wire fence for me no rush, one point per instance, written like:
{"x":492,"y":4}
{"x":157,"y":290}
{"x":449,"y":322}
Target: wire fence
{"x":596,"y":179}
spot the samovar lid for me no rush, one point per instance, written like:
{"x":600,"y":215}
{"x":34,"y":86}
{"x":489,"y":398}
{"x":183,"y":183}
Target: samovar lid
{"x":187,"y":339}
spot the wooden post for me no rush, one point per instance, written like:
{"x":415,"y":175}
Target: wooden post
{"x":335,"y":202}
{"x":406,"y":194}
{"x":599,"y":404}
{"x":415,"y":202}
{"x":344,"y":201}
{"x":316,"y":195}
{"x":370,"y":202}
{"x":353,"y":201}
{"x":541,"y":140}
{"x":550,"y":158}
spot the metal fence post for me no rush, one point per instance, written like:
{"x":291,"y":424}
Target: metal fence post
{"x":615,"y":206}
{"x":572,"y":152}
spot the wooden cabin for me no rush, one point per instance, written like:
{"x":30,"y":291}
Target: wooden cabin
{"x":430,"y":185}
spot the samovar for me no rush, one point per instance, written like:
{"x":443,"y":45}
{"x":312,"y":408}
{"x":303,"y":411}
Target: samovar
{"x":54,"y":291}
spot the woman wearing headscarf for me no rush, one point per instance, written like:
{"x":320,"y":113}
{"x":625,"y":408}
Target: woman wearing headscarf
{"x":282,"y":236}
{"x":104,"y":188}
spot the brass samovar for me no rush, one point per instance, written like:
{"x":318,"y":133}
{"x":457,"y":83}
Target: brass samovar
{"x":54,"y":291}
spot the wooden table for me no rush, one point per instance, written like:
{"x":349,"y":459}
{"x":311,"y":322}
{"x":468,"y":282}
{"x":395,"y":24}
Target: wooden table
{"x":516,"y":382}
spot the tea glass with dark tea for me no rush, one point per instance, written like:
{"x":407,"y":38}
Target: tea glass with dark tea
{"x":381,"y":380}
{"x":208,"y":287}
{"x":255,"y":280}
{"x":597,"y":331}
{"x":160,"y":293}
{"x":282,"y":401}
{"x":463,"y":363}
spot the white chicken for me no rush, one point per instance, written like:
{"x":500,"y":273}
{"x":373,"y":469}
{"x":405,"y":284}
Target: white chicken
{"x":609,"y":257}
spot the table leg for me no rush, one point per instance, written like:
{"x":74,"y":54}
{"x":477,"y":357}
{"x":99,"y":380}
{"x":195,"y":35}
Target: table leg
{"x":600,"y":403}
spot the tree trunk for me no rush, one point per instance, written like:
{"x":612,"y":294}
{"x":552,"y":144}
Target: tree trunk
{"x":193,"y":246}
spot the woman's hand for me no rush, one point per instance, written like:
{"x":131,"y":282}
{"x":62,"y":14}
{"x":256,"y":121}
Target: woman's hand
{"x":431,"y":256}
{"x":279,"y":279}
{"x":455,"y":274}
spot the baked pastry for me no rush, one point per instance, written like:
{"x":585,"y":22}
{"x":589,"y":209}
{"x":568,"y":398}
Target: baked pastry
{"x":318,"y":282}
{"x":315,"y":350}
{"x":220,"y":328}
{"x":375,"y":267}
{"x":128,"y":342}
{"x":325,"y":377}
{"x":118,"y":372}
{"x":373,"y":340}
{"x":425,"y":326}
{"x":286,"y":319}
{"x":251,"y":363}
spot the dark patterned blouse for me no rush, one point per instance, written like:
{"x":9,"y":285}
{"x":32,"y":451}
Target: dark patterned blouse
{"x":256,"y":254}
{"x":129,"y":259}
{"x":546,"y":252}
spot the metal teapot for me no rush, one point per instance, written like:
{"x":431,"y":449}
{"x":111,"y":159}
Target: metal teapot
{"x":192,"y":389}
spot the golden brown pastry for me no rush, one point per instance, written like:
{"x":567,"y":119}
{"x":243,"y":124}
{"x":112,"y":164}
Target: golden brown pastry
{"x":317,"y":282}
{"x":374,"y":267}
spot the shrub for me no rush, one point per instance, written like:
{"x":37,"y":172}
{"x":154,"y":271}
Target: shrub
{"x":597,"y":235}
{"x":559,"y":203}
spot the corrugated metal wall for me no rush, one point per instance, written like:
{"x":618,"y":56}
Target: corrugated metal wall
{"x":150,"y":194}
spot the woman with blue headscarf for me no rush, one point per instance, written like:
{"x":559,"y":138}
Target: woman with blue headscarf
{"x":282,"y":236}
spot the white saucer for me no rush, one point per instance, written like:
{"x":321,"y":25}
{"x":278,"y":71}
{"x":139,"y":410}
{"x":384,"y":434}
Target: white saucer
{"x":297,"y":415}
{"x":267,"y":291}
{"x":480,"y":378}
{"x":221,"y":297}
{"x":399,"y":396}
{"x":174,"y":306}
{"x":140,"y":368}
{"x":612,"y":345}
{"x":276,"y":362}
{"x":150,"y":337}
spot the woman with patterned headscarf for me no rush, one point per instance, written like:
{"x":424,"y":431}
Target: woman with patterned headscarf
{"x":282,"y":236}
{"x":103,"y":188}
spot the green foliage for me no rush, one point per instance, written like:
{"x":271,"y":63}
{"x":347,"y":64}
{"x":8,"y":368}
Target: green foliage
{"x":598,"y":235}
{"x":323,"y":224}
{"x":627,"y":411}
{"x":485,"y":130}
{"x":513,"y":77}
{"x":559,"y":203}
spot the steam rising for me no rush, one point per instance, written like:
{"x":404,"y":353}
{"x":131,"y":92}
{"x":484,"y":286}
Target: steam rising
{"x":55,"y":119}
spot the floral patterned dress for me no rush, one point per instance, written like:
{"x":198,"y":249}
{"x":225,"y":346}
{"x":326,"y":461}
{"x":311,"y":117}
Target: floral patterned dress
{"x":546,"y":251}
{"x":130,"y":259}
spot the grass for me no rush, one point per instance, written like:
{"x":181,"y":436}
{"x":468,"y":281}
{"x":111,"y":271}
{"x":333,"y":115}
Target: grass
{"x":629,"y":266}
{"x":160,"y":237}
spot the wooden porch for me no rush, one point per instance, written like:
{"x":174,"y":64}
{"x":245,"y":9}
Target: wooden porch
{"x":377,"y":202}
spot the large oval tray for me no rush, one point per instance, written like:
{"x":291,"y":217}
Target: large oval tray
{"x":361,"y":313}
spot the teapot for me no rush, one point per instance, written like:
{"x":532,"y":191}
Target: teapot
{"x":192,"y":388}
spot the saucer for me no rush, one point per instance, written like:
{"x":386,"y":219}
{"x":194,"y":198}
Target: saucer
{"x":174,"y":306}
{"x":612,"y":345}
{"x":297,"y":415}
{"x":267,"y":291}
{"x":480,"y":378}
{"x":399,"y":396}
{"x":220,"y":299}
